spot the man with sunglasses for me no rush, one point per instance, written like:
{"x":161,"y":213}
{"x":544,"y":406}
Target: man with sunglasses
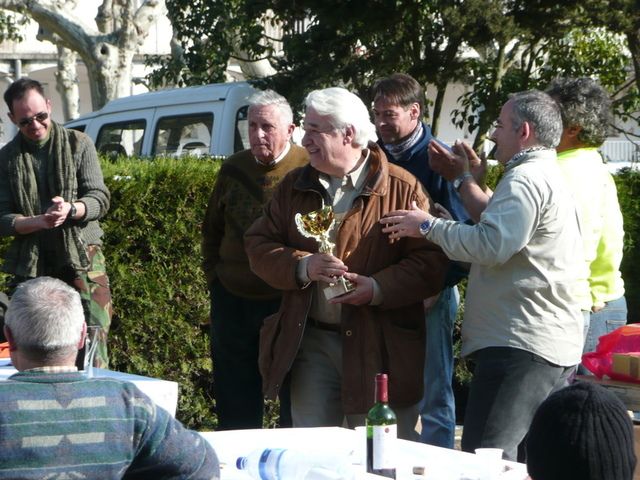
{"x":52,"y":195}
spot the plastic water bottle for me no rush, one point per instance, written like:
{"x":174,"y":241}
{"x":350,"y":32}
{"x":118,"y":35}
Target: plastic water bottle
{"x":288,"y":464}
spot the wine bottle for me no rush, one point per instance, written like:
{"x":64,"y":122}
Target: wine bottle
{"x":381,"y":432}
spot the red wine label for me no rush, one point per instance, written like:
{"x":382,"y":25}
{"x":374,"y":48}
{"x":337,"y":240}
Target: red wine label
{"x":384,"y":443}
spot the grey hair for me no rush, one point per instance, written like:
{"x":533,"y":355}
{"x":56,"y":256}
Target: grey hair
{"x":542,"y":112}
{"x":343,"y":109}
{"x":583,"y":103}
{"x":265,"y":98}
{"x":45,"y":316}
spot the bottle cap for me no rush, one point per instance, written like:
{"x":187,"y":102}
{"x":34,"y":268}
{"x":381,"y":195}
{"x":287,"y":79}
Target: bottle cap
{"x":382,"y":392}
{"x":241,"y":463}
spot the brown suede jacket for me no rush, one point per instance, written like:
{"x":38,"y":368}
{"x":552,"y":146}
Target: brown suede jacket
{"x":386,"y":338}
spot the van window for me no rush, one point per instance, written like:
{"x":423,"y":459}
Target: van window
{"x":122,"y":138}
{"x":183,"y":134}
{"x":241,"y":141}
{"x":79,"y":128}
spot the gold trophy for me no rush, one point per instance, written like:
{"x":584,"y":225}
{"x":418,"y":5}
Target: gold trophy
{"x":317,"y":225}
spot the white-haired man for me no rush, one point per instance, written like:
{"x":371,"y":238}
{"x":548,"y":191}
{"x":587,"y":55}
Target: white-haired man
{"x":239,"y":299}
{"x":334,"y":348}
{"x":522,"y":324}
{"x":55,"y":422}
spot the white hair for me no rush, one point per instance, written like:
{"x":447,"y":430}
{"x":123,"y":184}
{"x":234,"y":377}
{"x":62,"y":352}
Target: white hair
{"x":343,"y":109}
{"x":265,"y":98}
{"x":45,"y":315}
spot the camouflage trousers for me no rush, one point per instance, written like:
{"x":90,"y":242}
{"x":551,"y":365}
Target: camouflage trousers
{"x":95,"y":293}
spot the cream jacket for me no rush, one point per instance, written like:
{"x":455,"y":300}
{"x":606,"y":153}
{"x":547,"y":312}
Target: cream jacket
{"x":528,"y":276}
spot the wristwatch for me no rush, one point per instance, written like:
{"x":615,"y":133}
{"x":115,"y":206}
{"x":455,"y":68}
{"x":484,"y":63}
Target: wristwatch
{"x":425,"y":227}
{"x":459,"y":180}
{"x":72,"y":211}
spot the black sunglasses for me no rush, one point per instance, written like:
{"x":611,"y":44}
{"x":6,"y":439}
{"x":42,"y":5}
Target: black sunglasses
{"x":40,"y":117}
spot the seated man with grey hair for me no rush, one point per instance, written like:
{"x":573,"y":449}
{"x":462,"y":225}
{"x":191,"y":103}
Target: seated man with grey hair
{"x":55,"y":422}
{"x":522,"y":325}
{"x":335,"y":347}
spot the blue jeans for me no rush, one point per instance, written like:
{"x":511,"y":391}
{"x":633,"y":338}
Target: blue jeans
{"x":508,"y":386}
{"x":438,"y":409}
{"x":612,"y":316}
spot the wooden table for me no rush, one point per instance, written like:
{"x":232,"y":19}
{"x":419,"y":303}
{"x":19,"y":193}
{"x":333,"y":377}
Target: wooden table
{"x":629,"y":393}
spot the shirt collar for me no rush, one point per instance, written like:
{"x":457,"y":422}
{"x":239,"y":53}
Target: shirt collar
{"x":53,"y":369}
{"x":287,"y":147}
{"x":354,"y":179}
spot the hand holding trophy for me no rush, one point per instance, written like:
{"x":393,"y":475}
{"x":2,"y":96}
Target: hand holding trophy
{"x":317,"y":225}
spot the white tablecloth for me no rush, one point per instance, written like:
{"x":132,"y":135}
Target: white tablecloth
{"x":163,"y":392}
{"x":438,"y":463}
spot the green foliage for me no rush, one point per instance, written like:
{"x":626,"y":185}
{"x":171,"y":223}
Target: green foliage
{"x":628,"y":184}
{"x":207,"y":34}
{"x":596,"y":53}
{"x":161,"y":306}
{"x":339,"y":47}
{"x":514,"y":45}
{"x":10,"y":25}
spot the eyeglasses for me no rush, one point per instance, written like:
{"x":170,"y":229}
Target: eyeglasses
{"x":40,"y":117}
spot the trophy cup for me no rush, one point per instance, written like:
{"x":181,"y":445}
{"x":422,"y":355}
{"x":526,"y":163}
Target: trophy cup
{"x":317,"y":225}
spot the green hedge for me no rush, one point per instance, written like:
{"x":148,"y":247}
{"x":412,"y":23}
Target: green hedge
{"x":161,"y":306}
{"x":628,"y":183}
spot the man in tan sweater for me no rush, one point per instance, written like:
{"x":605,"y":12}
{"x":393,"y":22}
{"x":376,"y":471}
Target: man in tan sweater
{"x":239,"y":299}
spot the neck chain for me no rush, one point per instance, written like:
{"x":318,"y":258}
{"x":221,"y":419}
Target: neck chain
{"x":522,"y":153}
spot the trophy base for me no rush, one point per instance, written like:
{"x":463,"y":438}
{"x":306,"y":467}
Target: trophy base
{"x":340,"y":287}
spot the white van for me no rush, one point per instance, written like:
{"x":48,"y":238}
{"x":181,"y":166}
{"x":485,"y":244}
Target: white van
{"x":211,"y":119}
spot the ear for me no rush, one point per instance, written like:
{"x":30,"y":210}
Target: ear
{"x":290,"y":128}
{"x":573,"y":131}
{"x":414,"y":111}
{"x":9,"y":336}
{"x":525,"y":132}
{"x":349,"y":134}
{"x":83,"y":336}
{"x":12,"y":118}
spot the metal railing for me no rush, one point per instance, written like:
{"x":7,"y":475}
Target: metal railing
{"x":620,"y":151}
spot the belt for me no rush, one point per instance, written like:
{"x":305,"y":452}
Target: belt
{"x":331,"y":327}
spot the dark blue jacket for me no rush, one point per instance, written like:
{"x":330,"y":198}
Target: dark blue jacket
{"x":416,"y":161}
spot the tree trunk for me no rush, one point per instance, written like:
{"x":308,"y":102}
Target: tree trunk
{"x":491,"y":108}
{"x":107,"y":48}
{"x":437,"y":109}
{"x":67,"y":83}
{"x":442,"y":81}
{"x":255,"y":68}
{"x":633,"y":43}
